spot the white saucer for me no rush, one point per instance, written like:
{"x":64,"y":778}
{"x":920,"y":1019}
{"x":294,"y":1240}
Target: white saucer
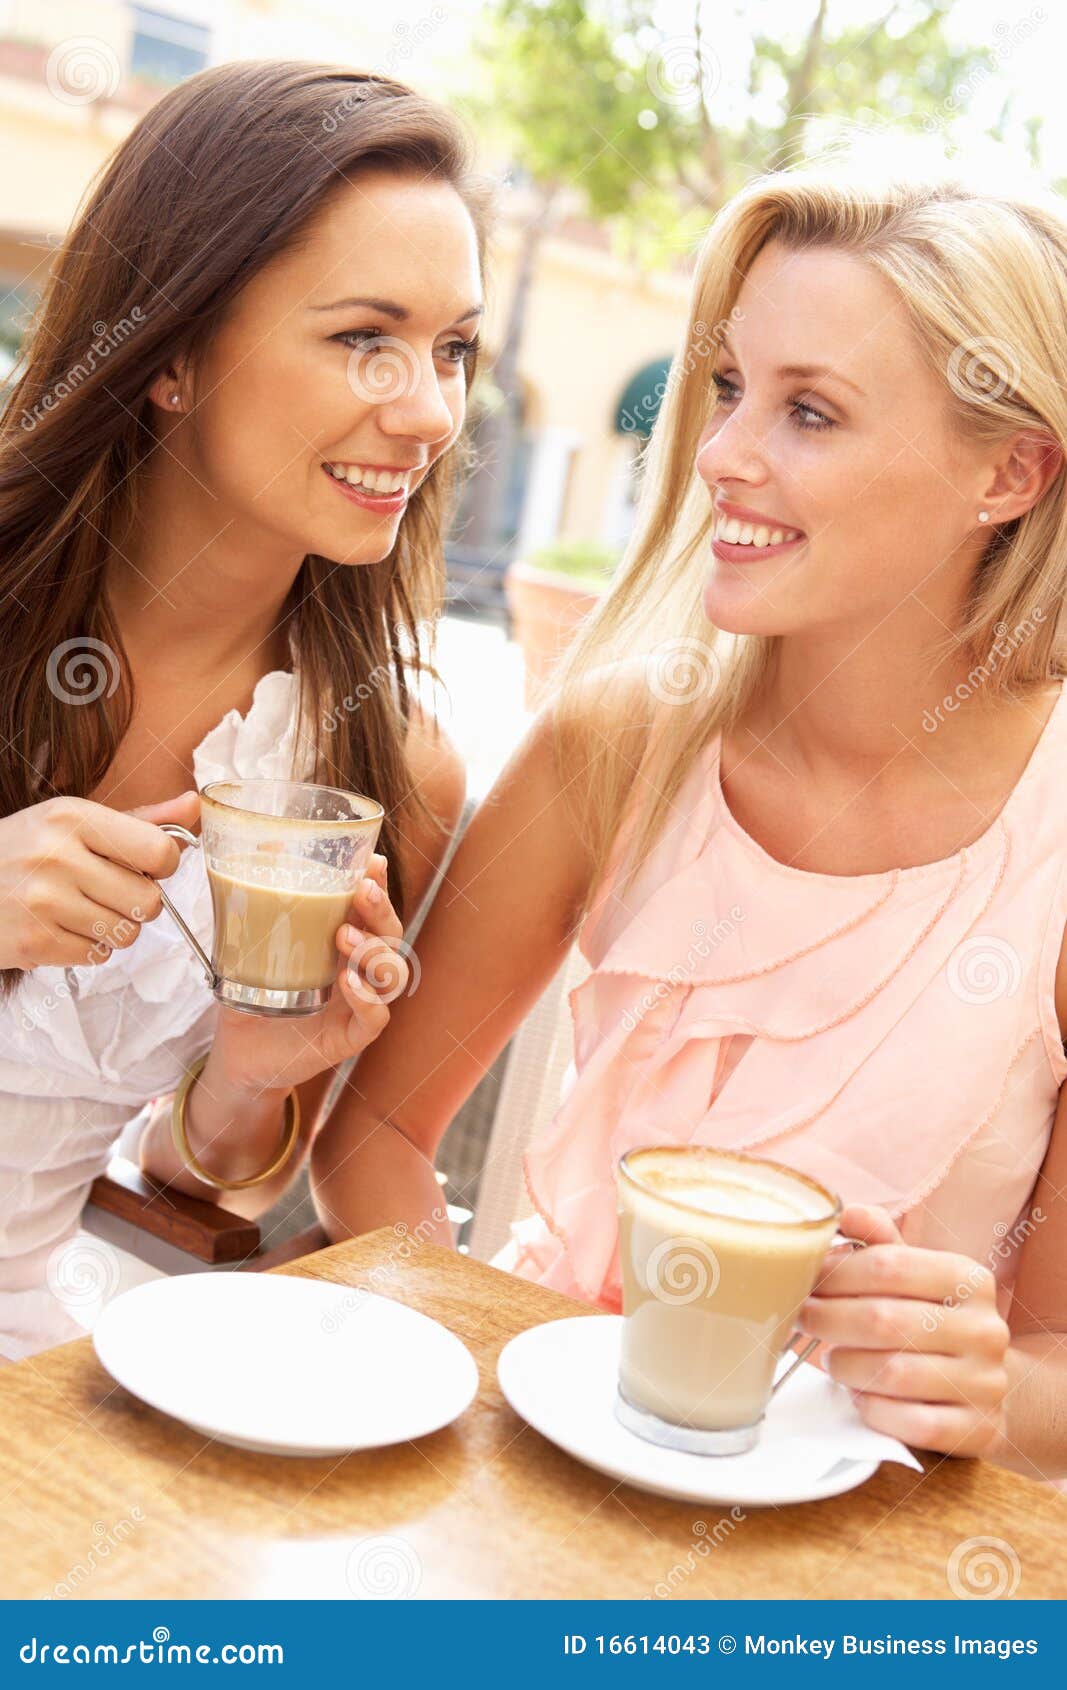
{"x":561,"y":1377}
{"x":285,"y":1365}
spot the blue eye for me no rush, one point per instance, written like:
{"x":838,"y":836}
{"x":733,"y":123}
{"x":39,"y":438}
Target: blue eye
{"x":798,"y":406}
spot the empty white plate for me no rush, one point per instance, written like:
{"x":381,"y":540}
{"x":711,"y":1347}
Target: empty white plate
{"x":562,"y":1378}
{"x":285,"y":1365}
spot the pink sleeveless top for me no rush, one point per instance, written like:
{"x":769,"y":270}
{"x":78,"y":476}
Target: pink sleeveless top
{"x":893,"y":1035}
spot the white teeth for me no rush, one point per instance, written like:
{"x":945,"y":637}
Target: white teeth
{"x":372,"y":481}
{"x":737,"y":533}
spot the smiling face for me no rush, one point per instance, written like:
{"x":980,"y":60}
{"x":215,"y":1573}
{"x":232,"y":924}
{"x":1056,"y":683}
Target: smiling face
{"x":316,"y":420}
{"x":861,"y":462}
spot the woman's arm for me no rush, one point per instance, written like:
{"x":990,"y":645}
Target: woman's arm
{"x":499,"y":928}
{"x":235,"y":1130}
{"x":1035,"y":1432}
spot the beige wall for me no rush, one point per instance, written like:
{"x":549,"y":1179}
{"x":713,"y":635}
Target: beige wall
{"x":592,"y":322}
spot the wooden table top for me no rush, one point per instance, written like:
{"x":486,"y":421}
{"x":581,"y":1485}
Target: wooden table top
{"x":105,"y":1497}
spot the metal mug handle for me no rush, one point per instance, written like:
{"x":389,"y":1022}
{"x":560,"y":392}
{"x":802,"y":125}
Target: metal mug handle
{"x":188,"y":935}
{"x":812,"y":1343}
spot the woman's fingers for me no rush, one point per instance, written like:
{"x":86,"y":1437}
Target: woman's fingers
{"x":947,"y":1427}
{"x":371,"y":908}
{"x":897,"y":1323}
{"x":369,"y":1012}
{"x":382,"y":966}
{"x":903,"y":1270}
{"x":923,"y":1378}
{"x":120,"y":889}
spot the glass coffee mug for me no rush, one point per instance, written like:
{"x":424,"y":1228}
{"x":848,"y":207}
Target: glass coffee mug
{"x":284,"y":859}
{"x":718,"y":1251}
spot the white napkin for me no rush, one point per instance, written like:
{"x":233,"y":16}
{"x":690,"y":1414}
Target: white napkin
{"x":805,"y":1418}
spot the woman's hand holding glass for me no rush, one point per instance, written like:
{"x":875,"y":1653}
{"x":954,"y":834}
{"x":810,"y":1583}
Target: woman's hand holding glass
{"x":915,"y":1334}
{"x":258,"y":1053}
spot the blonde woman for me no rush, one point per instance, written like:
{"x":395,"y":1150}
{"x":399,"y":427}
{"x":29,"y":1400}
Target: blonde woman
{"x":800,"y":798}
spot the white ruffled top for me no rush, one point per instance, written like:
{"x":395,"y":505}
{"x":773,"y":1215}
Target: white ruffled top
{"x":123,"y":1030}
{"x":83,"y":1049}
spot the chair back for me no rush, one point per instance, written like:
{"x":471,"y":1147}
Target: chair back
{"x":541,"y":1051}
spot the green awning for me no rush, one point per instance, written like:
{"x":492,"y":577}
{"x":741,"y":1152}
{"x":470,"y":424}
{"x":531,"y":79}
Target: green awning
{"x":640,"y":399}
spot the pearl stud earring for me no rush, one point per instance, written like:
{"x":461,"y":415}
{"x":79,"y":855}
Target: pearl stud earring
{"x":983,"y":516}
{"x":174,"y":398}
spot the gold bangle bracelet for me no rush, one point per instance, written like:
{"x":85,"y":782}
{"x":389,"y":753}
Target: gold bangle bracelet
{"x":181,"y":1137}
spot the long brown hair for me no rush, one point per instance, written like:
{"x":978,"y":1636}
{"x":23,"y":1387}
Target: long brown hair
{"x":221,"y":175}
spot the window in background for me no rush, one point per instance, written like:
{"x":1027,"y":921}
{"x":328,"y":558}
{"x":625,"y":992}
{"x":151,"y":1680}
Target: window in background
{"x":166,"y":48}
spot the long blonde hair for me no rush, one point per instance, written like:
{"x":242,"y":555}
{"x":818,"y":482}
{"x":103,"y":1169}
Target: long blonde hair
{"x":984,"y":279}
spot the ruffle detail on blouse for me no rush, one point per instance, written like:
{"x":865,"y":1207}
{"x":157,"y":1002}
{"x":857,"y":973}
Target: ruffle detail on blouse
{"x":735,"y":1011}
{"x":267,"y":744}
{"x":115,"y":1031}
